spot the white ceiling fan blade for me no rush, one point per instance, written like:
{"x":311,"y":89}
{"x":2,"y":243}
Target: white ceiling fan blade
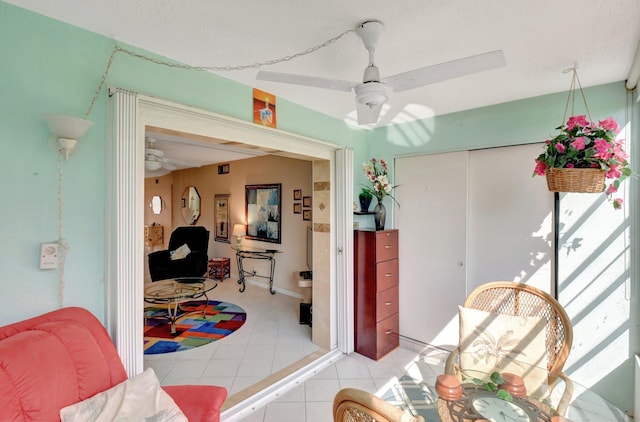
{"x":312,"y":81}
{"x":444,"y":71}
{"x":154,"y":152}
{"x":168,"y":166}
{"x":366,"y":114}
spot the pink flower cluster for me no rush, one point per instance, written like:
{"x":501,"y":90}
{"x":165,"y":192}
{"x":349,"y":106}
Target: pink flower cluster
{"x":582,"y":144}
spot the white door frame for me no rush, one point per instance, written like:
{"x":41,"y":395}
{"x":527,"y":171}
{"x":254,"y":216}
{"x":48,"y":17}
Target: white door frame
{"x":129,"y":114}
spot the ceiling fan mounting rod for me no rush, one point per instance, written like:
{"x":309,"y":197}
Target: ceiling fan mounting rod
{"x":369,"y":32}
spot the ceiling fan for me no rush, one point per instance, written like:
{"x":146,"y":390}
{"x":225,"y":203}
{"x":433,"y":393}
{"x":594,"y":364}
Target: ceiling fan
{"x":154,"y":157}
{"x":373,"y":92}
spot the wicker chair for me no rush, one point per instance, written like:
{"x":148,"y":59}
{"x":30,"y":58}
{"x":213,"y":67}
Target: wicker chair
{"x":354,"y":405}
{"x":511,"y":298}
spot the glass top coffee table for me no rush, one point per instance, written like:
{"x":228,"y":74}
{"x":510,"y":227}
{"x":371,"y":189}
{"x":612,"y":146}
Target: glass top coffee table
{"x":174,"y":291}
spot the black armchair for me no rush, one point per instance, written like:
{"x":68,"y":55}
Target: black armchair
{"x":162,"y":267}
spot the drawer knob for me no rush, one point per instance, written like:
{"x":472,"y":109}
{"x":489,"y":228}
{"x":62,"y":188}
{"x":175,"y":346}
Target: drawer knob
{"x":387,"y":246}
{"x":388,"y":332}
{"x":388,"y":303}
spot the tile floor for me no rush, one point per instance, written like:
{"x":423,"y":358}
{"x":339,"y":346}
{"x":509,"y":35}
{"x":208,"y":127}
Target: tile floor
{"x":312,"y":400}
{"x":271,"y":339}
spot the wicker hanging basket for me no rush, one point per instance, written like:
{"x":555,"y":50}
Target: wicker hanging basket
{"x":575,"y":180}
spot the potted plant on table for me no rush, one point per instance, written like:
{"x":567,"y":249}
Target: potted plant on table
{"x":365,"y":199}
{"x":376,"y":172}
{"x":582,"y":156}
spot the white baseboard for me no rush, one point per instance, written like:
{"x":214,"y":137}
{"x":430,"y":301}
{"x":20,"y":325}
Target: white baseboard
{"x":277,"y":289}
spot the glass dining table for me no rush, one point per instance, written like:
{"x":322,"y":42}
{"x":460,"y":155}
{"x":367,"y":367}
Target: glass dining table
{"x":416,"y":391}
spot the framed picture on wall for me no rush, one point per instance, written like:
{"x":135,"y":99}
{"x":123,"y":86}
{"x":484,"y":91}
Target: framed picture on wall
{"x":306,"y":215}
{"x":306,"y":202}
{"x":297,"y":194}
{"x":263,"y":210}
{"x":297,"y":208}
{"x":221,"y":218}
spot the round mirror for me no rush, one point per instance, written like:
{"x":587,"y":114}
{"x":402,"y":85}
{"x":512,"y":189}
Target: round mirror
{"x":156,"y":204}
{"x":190,"y":205}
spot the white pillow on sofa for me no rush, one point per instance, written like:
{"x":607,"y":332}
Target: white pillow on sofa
{"x":140,"y":398}
{"x":180,"y":253}
{"x":504,"y":343}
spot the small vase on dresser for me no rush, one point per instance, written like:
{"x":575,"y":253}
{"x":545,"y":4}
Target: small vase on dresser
{"x":379,"y":215}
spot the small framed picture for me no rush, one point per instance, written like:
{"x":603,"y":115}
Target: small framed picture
{"x":297,"y":208}
{"x":223,"y":169}
{"x":306,"y":215}
{"x":297,"y":194}
{"x":306,"y":202}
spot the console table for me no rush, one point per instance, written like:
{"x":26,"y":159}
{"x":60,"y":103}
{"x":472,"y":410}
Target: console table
{"x":243,"y":253}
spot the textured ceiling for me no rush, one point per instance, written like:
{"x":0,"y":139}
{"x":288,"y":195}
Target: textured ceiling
{"x":540,"y":38}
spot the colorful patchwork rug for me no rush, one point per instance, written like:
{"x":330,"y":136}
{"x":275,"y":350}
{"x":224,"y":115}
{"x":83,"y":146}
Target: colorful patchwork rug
{"x":193,"y":329}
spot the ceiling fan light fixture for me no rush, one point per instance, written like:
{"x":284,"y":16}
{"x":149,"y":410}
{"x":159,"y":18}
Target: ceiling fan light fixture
{"x":371,"y":74}
{"x":372,"y":94}
{"x":152,"y":165}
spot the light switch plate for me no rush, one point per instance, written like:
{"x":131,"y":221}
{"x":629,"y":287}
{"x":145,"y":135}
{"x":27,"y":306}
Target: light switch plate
{"x":48,"y":256}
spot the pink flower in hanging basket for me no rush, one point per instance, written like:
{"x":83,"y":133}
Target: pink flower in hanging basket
{"x":584,"y":144}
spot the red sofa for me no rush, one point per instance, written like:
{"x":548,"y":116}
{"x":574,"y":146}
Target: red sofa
{"x":65,"y":356}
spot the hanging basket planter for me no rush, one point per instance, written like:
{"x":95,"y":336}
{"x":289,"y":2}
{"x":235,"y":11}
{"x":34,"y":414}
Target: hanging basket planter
{"x":585,"y":156}
{"x":575,"y":180}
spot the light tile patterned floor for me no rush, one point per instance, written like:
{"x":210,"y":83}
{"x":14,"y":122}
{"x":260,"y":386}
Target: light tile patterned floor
{"x":272,"y":339}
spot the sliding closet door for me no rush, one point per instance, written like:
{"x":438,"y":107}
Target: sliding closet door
{"x":510,"y":218}
{"x":467,"y":218}
{"x":432,"y":244}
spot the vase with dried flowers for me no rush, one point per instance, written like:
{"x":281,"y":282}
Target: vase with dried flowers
{"x":376,"y":172}
{"x":584,"y":153}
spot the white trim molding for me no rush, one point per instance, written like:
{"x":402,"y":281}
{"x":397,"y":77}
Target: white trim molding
{"x":130,"y":114}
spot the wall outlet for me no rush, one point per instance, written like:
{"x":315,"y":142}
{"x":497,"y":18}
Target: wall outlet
{"x":48,"y":256}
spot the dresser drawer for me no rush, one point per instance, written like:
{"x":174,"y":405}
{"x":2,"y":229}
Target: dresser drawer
{"x":386,"y":303}
{"x":387,"y":335}
{"x":386,"y":245}
{"x":386,"y":275}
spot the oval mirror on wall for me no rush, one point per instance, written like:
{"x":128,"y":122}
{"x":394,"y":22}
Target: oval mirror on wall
{"x":156,"y":204}
{"x":190,"y":205}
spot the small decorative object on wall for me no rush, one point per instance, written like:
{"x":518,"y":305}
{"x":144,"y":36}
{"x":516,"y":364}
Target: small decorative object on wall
{"x":263,"y":210}
{"x":306,"y":215}
{"x":376,"y":172}
{"x":584,"y":153}
{"x":297,"y":208}
{"x":264,"y":108}
{"x":297,"y":194}
{"x":306,"y":202}
{"x":223,"y":169}
{"x":221,"y":218}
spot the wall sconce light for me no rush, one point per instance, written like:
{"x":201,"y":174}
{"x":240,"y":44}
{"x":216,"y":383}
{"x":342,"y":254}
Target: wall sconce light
{"x":66,"y":132}
{"x":238,"y":232}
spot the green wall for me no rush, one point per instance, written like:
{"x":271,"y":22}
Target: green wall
{"x":51,"y":67}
